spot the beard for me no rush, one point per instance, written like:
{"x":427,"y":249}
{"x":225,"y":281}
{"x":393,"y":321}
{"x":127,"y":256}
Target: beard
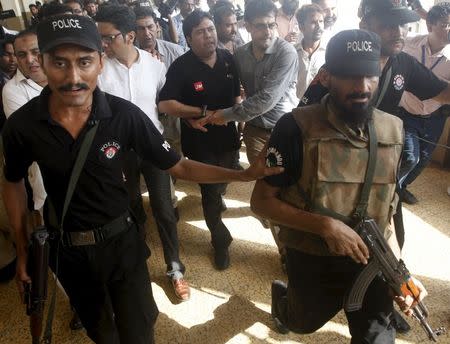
{"x":329,"y":21}
{"x":358,"y":114}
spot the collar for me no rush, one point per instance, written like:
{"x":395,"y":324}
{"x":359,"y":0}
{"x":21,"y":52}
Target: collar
{"x":358,"y":139}
{"x":158,"y":45}
{"x":19,"y":77}
{"x":272,"y":49}
{"x":100,"y":106}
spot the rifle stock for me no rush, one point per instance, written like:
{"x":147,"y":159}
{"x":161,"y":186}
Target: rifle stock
{"x":394,"y":272}
{"x":36,"y":293}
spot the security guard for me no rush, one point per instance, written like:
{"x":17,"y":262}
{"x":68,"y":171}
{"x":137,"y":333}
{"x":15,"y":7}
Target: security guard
{"x":101,"y":257}
{"x":325,"y":151}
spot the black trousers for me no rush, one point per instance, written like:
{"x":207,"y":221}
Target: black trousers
{"x":158,"y":185}
{"x":212,"y":199}
{"x":109,"y":286}
{"x":316,"y":290}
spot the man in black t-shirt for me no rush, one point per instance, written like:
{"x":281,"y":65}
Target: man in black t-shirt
{"x":101,"y":260}
{"x":201,"y":81}
{"x":389,"y":20}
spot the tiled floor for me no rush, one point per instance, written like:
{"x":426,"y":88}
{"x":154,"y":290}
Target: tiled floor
{"x":233,"y":306}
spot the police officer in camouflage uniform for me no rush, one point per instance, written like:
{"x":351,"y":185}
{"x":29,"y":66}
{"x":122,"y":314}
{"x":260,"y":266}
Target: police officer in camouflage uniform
{"x":324,"y":149}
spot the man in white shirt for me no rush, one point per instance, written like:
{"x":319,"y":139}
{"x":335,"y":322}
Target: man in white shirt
{"x":425,"y":120}
{"x":330,"y":11}
{"x":25,"y":85}
{"x":311,"y":52}
{"x":135,"y":75}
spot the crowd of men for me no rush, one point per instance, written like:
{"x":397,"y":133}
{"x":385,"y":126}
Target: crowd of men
{"x":174,"y":90}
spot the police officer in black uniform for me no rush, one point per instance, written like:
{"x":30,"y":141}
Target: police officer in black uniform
{"x":102,"y":258}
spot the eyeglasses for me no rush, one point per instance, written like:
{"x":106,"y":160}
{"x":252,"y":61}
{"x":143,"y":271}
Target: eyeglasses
{"x":108,"y":39}
{"x":263,"y":26}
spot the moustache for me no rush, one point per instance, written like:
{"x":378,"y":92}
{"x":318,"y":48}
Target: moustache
{"x":70,"y":87}
{"x":359,"y":95}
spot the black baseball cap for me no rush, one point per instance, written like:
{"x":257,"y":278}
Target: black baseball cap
{"x":68,"y":29}
{"x":389,"y":11}
{"x":354,"y":53}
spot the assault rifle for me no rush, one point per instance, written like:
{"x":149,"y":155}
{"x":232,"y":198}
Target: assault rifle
{"x":36,"y":293}
{"x":394,"y":272}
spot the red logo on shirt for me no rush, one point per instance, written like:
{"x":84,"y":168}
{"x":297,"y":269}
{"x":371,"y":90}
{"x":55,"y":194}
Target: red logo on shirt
{"x":198,"y":86}
{"x":110,"y":149}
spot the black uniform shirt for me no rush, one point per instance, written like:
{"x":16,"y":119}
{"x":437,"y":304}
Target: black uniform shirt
{"x":407,"y":75}
{"x":194,"y":83}
{"x":285,"y":150}
{"x":100,"y":195}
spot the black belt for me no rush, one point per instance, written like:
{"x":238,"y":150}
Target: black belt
{"x":100,"y":234}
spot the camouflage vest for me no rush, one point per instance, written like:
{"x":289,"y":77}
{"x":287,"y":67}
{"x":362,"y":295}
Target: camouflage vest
{"x":334,"y":166}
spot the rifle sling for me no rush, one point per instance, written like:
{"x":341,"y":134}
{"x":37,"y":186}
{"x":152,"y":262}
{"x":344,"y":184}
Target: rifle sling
{"x":76,"y":171}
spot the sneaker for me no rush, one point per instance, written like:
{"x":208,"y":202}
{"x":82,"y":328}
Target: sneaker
{"x":75,"y":323}
{"x":222,"y":258}
{"x":407,"y":197}
{"x":279,"y":289}
{"x":181,"y":289}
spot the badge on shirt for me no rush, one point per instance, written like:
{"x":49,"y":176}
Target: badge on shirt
{"x":110,"y":149}
{"x":198,"y":86}
{"x":399,"y":82}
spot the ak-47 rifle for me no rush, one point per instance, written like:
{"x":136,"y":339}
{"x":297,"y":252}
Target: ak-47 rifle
{"x":36,"y":293}
{"x":394,"y":272}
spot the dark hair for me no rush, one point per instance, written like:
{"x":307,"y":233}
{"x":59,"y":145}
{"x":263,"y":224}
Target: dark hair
{"x":144,"y":11}
{"x":32,"y":5}
{"x":9,"y":39}
{"x":316,"y":2}
{"x":438,"y":12}
{"x":90,"y":2}
{"x":193,"y":20}
{"x":54,"y":8}
{"x":305,"y":11}
{"x":121,"y":16}
{"x":259,"y":8}
{"x":26,"y":32}
{"x":222,"y":10}
{"x":75,"y":1}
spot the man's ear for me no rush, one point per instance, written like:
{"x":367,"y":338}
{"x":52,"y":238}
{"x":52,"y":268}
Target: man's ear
{"x":41,"y":62}
{"x":247,"y":26}
{"x":363,"y":25}
{"x":131,"y":36}
{"x":324,"y":77}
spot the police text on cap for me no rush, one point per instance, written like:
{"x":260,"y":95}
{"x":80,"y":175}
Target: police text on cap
{"x":66,"y":23}
{"x":357,"y":46}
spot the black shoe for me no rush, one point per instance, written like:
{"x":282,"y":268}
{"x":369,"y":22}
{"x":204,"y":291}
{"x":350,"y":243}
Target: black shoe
{"x":279,"y":289}
{"x":407,"y":197}
{"x":399,"y":323}
{"x":222,"y":258}
{"x":75,"y":323}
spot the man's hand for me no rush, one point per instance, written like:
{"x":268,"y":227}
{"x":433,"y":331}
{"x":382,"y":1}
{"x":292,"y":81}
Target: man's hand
{"x":198,"y":123}
{"x":22,"y":276}
{"x":217,"y":118}
{"x":292,"y":37}
{"x":259,"y":170}
{"x":407,"y":303}
{"x":344,"y":241}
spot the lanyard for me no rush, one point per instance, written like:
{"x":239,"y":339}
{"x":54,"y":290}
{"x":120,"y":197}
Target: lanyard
{"x":423,"y":58}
